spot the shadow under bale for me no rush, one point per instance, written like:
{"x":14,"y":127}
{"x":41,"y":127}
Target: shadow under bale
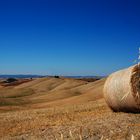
{"x":122,"y":90}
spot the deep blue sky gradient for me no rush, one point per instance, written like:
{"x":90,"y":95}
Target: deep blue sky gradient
{"x":68,"y":37}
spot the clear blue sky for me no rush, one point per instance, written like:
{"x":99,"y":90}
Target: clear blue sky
{"x":68,"y":37}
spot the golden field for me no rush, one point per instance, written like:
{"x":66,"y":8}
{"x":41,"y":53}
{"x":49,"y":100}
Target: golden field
{"x":62,"y":108}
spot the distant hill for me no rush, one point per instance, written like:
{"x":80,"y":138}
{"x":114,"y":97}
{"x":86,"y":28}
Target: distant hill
{"x":80,"y":77}
{"x":40,"y":76}
{"x":21,"y":76}
{"x":45,"y":92}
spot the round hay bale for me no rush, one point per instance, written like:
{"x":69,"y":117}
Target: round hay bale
{"x":122,"y":90}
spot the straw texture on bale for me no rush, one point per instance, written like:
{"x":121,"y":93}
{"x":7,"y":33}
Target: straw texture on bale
{"x":122,"y":90}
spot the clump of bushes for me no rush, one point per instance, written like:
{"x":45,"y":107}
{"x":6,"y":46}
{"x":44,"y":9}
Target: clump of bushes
{"x":11,"y":80}
{"x":56,"y":76}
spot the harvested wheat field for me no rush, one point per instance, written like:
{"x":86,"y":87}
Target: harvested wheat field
{"x":62,"y":109}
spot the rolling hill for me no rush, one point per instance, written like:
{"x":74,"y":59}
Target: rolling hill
{"x":61,"y":108}
{"x":44,"y":92}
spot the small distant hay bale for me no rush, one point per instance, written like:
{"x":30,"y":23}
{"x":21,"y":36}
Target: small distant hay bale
{"x":122,"y":90}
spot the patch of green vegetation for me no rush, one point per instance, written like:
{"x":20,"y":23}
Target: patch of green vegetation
{"x":76,"y":93}
{"x":15,"y":93}
{"x":56,"y":76}
{"x":7,"y":104}
{"x":11,"y":102}
{"x":22,"y":93}
{"x":10,"y":80}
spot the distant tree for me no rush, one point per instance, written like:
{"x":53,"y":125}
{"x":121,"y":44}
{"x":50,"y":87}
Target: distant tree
{"x":56,"y":76}
{"x":10,"y":80}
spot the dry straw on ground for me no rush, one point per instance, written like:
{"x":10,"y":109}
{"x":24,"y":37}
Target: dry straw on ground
{"x":122,"y":90}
